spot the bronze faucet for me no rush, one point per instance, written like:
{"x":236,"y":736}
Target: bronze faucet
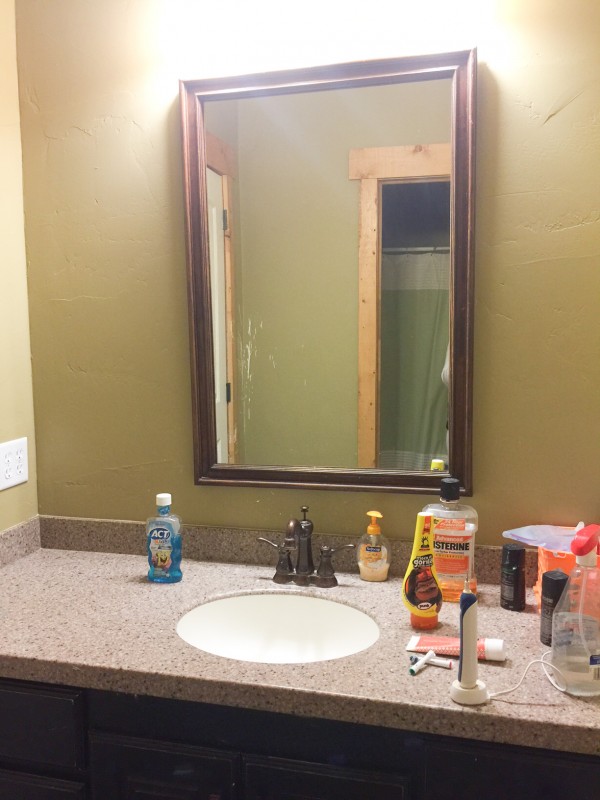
{"x":298,"y":540}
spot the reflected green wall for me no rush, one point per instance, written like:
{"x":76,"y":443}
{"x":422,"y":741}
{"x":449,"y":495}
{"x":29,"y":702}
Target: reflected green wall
{"x":299,"y":260}
{"x":106,"y":253}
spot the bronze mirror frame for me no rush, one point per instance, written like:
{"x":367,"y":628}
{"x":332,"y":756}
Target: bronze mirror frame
{"x":461,"y":68}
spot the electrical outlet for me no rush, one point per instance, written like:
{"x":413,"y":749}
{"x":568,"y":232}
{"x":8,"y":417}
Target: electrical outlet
{"x":14,"y":466}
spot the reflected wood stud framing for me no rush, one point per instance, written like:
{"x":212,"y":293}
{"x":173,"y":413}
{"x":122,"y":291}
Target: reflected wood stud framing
{"x":368,"y":323}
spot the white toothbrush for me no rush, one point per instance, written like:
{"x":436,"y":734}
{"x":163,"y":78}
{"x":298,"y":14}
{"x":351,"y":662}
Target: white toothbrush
{"x":468,"y":689}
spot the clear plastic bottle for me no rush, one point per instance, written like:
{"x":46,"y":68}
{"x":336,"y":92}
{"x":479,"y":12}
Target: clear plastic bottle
{"x":163,"y":538}
{"x":373,"y":554}
{"x":576,"y":620}
{"x":454,"y":528}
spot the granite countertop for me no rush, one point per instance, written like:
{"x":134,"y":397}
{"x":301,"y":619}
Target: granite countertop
{"x":93,"y":620}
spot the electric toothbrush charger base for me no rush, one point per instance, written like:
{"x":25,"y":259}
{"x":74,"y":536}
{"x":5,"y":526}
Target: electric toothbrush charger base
{"x":474,"y":696}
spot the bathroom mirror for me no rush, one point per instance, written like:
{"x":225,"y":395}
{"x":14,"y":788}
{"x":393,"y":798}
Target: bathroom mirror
{"x":330,"y":233}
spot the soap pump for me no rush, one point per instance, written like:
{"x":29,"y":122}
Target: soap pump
{"x":576,"y":620}
{"x":373,"y":554}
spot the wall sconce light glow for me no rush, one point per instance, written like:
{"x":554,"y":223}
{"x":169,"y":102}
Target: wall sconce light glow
{"x":201,"y":39}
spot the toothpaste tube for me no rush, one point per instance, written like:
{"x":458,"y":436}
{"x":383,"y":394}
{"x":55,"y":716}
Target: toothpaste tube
{"x":487,"y":649}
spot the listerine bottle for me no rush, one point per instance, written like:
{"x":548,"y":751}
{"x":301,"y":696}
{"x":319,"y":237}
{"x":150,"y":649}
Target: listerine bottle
{"x":454,"y":528}
{"x":163,"y":534}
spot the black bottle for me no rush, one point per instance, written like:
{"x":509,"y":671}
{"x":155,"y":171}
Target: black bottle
{"x":512,"y":579}
{"x":553,"y":584}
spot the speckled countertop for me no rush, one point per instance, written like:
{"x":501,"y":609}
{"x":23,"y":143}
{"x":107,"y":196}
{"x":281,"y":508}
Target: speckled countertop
{"x":92,"y":619}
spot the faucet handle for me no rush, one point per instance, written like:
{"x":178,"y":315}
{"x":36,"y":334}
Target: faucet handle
{"x":325,"y":577}
{"x":343,"y":547}
{"x":283,"y":570}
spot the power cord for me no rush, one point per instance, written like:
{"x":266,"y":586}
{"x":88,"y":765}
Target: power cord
{"x":545,"y":665}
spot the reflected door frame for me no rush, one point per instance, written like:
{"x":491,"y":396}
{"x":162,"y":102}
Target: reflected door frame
{"x":221,"y":158}
{"x":372,"y":166}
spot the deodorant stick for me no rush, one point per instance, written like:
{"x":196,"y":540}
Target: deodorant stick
{"x":553,"y":584}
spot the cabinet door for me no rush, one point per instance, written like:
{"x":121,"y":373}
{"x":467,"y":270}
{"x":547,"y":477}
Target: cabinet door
{"x":281,"y":779}
{"x":472,"y":772}
{"x":42,"y":725}
{"x":20,"y":786}
{"x":125,"y":768}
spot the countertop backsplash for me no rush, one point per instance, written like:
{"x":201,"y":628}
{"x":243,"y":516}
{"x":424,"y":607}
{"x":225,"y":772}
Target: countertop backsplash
{"x":236,"y":546}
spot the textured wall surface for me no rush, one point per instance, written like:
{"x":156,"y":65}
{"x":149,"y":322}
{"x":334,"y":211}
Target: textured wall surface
{"x":104,"y":229}
{"x":18,"y":503}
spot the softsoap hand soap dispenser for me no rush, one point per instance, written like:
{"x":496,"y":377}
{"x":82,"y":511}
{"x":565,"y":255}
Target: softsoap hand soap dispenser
{"x":373,"y":554}
{"x":576,"y":620}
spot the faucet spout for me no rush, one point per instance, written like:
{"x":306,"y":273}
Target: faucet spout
{"x":303,"y":530}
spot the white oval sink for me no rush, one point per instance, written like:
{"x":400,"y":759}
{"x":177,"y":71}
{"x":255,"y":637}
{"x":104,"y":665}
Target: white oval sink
{"x":278,"y":628}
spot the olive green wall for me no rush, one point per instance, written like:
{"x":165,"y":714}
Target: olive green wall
{"x":18,"y":503}
{"x":104,"y":230}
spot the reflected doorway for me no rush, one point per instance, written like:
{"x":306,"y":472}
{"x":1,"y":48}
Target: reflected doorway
{"x":414,"y":324}
{"x":401,"y":186}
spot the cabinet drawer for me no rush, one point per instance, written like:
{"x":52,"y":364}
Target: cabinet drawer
{"x":19,"y":786}
{"x":41,"y":725}
{"x":123,"y":766}
{"x":497,"y":773}
{"x":282,"y":779}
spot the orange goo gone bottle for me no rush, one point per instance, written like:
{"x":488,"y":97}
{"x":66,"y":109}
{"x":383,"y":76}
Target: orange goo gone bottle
{"x":421,"y":592}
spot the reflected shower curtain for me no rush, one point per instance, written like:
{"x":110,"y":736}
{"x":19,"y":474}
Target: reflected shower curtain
{"x":414,"y":340}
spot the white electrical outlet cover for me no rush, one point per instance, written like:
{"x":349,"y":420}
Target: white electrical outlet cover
{"x":14,"y":465}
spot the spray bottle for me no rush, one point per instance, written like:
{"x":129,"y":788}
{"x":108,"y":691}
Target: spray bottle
{"x":576,"y":620}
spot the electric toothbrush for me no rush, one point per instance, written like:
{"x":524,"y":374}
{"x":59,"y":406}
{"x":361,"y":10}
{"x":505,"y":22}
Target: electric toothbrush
{"x":468,"y":689}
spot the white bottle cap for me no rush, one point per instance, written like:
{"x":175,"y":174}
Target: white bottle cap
{"x":163,"y":500}
{"x":495,"y":650}
{"x":587,"y":560}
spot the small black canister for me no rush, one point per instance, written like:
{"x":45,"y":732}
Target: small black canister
{"x":512,"y":579}
{"x":553,"y":584}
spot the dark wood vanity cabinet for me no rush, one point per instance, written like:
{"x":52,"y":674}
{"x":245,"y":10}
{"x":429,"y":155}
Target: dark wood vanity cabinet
{"x":282,"y":779}
{"x":42,"y":742}
{"x":468,"y":771}
{"x":58,"y":743}
{"x":126,"y":767}
{"x":203,"y":752}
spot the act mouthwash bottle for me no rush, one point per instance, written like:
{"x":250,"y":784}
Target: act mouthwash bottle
{"x":163,"y":541}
